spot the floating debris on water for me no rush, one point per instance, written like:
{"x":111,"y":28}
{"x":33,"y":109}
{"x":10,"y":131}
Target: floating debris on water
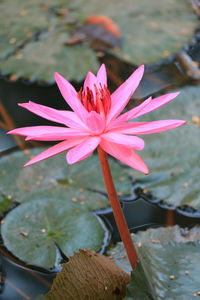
{"x":155,"y":242}
{"x":196,"y":121}
{"x":25,"y":234}
{"x":187,"y":272}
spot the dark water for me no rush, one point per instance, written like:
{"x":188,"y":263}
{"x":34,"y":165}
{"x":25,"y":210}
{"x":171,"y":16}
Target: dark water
{"x":18,"y":282}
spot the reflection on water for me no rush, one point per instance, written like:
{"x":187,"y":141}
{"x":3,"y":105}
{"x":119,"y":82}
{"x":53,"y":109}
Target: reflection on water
{"x":18,"y":282}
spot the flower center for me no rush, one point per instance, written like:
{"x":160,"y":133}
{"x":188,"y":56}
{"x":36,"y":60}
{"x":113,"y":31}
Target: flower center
{"x":100,"y":102}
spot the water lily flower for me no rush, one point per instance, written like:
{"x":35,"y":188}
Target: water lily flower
{"x":96,"y":120}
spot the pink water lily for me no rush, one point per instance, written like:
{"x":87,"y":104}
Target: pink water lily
{"x":96,"y":120}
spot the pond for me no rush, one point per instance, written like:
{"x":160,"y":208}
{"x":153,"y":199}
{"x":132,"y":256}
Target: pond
{"x":51,"y":210}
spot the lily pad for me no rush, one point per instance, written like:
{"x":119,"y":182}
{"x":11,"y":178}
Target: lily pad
{"x":173,"y":157}
{"x":54,"y":178}
{"x":150,"y":30}
{"x":33,"y":38}
{"x":31,"y":230}
{"x":20,"y":21}
{"x":169,"y":264}
{"x":39,"y":59}
{"x":35,"y":35}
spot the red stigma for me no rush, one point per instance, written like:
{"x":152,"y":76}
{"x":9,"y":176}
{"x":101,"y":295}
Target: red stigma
{"x":100,"y":102}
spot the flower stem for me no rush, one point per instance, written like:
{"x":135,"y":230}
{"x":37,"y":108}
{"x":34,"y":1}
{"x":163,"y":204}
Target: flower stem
{"x":117,"y":210}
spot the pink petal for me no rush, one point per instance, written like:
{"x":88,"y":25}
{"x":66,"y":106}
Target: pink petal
{"x":130,"y":114}
{"x":132,"y":142}
{"x":149,"y":127}
{"x":70,"y":96}
{"x":90,"y":81}
{"x":122,"y":95}
{"x":67,"y":118}
{"x":95,"y":122}
{"x":56,"y":149}
{"x":124,"y":154}
{"x":102,"y":76}
{"x":48,"y":133}
{"x":83,"y":150}
{"x":148,"y":106}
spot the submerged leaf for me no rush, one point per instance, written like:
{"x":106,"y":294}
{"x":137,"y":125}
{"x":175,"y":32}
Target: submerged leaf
{"x":89,"y":276}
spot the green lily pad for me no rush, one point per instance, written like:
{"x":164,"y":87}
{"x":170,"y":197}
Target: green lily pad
{"x":169,"y":264}
{"x":31,"y":230}
{"x":21,"y":20}
{"x":54,"y":178}
{"x":38,"y":60}
{"x":151,"y":30}
{"x":173,"y":157}
{"x":143,"y":290}
{"x":34,"y":35}
{"x":5,"y":202}
{"x":32,"y":42}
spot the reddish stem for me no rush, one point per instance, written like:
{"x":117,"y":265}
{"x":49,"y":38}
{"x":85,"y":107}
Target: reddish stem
{"x":117,"y":210}
{"x":9,"y":124}
{"x":170,"y":218}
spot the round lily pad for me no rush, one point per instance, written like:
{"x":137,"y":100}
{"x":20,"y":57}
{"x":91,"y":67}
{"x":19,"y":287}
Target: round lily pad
{"x":31,"y":230}
{"x":81,"y":183}
{"x":173,"y":157}
{"x":169,"y":264}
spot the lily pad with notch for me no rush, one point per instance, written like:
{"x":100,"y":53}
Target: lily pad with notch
{"x":31,"y":230}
